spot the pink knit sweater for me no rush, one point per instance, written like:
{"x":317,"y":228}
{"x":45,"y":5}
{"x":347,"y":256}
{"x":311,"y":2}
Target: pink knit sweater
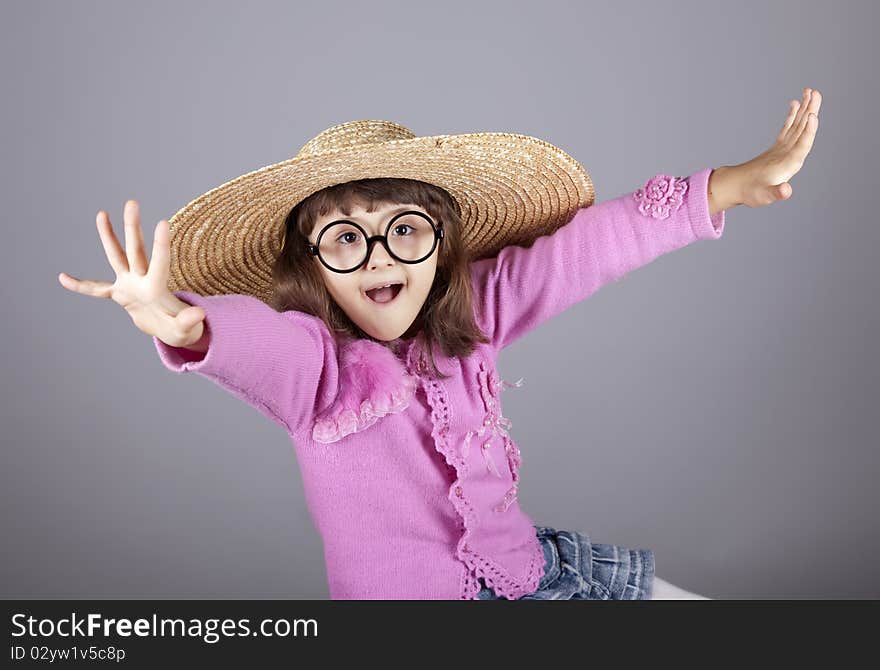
{"x":412,"y":482}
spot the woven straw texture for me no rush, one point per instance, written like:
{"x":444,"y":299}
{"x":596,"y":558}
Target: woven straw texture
{"x":510,"y":189}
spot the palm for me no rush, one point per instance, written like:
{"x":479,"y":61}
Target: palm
{"x":765,"y":178}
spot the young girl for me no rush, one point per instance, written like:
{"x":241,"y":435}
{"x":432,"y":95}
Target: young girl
{"x":358,"y":295}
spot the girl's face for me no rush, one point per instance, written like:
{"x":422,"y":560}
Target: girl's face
{"x":383,"y":321}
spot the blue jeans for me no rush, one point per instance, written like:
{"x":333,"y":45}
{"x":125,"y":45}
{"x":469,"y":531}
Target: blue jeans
{"x":578,"y":569}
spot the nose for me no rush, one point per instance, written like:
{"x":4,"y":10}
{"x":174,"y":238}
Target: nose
{"x":378,"y":256}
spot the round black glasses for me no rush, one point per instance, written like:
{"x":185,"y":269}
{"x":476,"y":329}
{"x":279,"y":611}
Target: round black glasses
{"x":343,"y":246}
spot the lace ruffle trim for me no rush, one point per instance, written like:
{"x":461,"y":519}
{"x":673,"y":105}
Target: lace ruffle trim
{"x":493,"y":574}
{"x":499,"y":581}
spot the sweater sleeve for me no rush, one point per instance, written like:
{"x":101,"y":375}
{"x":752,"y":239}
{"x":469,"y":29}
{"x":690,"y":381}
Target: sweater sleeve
{"x":522,"y":287}
{"x":282,"y":363}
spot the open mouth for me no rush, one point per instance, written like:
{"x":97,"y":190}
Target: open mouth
{"x":384,"y":295}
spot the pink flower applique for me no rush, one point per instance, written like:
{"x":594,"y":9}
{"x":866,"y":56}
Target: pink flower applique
{"x":372,"y":383}
{"x":662,"y":195}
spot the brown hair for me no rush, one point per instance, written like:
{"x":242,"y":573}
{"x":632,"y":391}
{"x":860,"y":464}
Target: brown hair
{"x":446,"y":318}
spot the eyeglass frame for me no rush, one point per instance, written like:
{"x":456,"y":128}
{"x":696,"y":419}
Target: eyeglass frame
{"x":371,"y":240}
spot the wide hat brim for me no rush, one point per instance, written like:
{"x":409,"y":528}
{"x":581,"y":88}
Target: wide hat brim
{"x":510,"y":189}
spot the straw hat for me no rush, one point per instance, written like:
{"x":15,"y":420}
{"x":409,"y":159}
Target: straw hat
{"x":510,"y":189}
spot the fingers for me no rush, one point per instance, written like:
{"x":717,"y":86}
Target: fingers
{"x":793,"y":108}
{"x":134,"y":239}
{"x":801,"y":119}
{"x":160,"y":257}
{"x":796,"y":125}
{"x":98,"y":289}
{"x":816,"y":102}
{"x":804,"y":128}
{"x":805,"y":142}
{"x":791,"y":123}
{"x":811,"y":103}
{"x":111,"y":245}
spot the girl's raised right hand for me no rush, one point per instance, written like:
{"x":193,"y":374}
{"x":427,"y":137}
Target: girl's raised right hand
{"x":141,"y":286}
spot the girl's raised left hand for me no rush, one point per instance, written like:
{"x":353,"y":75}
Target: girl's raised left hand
{"x":764,"y":179}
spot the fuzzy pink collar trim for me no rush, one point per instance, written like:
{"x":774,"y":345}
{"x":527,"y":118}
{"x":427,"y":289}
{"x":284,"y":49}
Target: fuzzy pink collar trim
{"x":373,"y":382}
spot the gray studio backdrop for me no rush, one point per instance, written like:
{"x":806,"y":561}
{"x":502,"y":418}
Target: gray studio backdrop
{"x":717,"y":406}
